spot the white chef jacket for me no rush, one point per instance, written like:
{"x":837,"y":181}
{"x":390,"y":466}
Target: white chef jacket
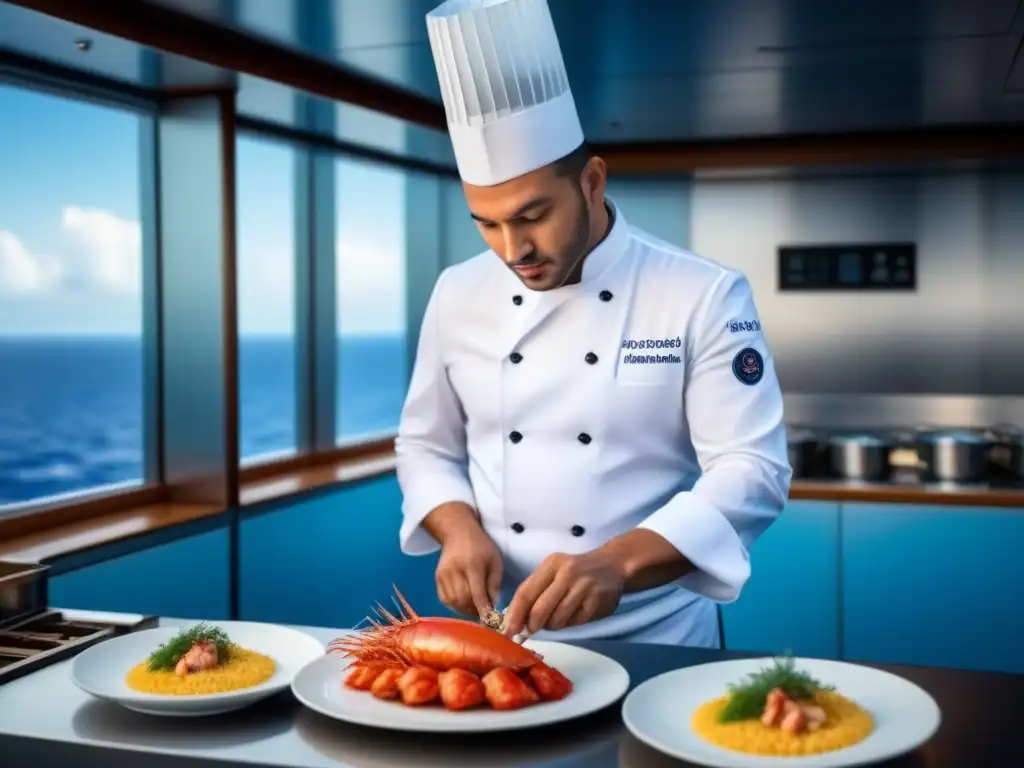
{"x":643,"y":396}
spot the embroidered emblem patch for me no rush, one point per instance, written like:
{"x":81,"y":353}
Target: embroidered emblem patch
{"x":748,"y":365}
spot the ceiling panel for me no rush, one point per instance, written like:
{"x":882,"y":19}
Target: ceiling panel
{"x":645,"y":70}
{"x":32,"y":33}
{"x":641,"y":70}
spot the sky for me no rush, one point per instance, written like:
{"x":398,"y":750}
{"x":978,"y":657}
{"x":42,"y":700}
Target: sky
{"x":70,"y":233}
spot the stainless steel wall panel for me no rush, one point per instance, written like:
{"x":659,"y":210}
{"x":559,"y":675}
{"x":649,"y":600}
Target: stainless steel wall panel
{"x":953,"y":336}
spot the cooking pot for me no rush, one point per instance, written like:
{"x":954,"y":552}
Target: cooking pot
{"x":803,"y":449}
{"x":860,"y":457}
{"x":23,"y":590}
{"x":1008,"y":450}
{"x":954,"y":456}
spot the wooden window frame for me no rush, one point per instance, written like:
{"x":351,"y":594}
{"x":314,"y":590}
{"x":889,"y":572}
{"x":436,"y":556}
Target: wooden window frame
{"x":54,"y":529}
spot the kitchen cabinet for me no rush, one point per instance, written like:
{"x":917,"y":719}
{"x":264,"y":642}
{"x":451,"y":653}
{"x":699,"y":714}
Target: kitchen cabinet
{"x":188,"y":577}
{"x":791,"y":602}
{"x":935,"y":586}
{"x":327,"y":561}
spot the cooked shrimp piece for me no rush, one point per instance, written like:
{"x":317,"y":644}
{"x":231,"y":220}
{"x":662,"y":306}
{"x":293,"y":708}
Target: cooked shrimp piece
{"x":418,"y":686}
{"x":504,"y":689}
{"x":793,"y":719}
{"x":460,"y":689}
{"x":773,"y":708}
{"x":551,"y":684}
{"x":386,"y":684}
{"x":362,"y":674}
{"x":201,"y":656}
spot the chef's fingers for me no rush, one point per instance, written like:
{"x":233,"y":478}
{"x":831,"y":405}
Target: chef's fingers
{"x":462,"y":597}
{"x":452,"y":590}
{"x":444,"y":592}
{"x":548,"y":601}
{"x":494,"y":580}
{"x":586,"y":611}
{"x":570,"y":604}
{"x":476,"y":579}
{"x":526,"y":595}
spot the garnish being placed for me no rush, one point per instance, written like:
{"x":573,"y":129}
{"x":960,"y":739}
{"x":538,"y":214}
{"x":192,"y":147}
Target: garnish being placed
{"x":748,"y":698}
{"x":193,"y":649}
{"x":494,"y":620}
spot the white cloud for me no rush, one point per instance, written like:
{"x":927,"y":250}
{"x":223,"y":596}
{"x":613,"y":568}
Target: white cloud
{"x":20,"y":271}
{"x":266,"y":288}
{"x":104,"y":251}
{"x":371,"y":282}
{"x":370,"y":266}
{"x":101,"y":251}
{"x":98,"y":260}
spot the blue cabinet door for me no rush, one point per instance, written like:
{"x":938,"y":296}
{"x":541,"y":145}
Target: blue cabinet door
{"x":187,"y":579}
{"x":328,"y":561}
{"x":934,"y":586}
{"x":791,"y":602}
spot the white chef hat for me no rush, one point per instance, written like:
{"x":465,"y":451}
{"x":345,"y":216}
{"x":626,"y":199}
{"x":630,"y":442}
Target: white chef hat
{"x":505,"y":90}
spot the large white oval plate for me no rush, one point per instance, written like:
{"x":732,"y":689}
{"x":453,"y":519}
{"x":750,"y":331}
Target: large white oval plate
{"x":101,"y":669}
{"x":658,"y":713}
{"x":598,"y":681}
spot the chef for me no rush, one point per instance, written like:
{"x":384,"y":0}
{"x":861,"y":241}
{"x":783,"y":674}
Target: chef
{"x":593,"y":429}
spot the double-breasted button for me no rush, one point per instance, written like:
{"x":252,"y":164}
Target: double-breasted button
{"x":591,"y":358}
{"x":584,"y":438}
{"x":515,"y":437}
{"x":518,"y":527}
{"x":577,"y":530}
{"x":517,"y":299}
{"x":515,"y":357}
{"x":605,"y":295}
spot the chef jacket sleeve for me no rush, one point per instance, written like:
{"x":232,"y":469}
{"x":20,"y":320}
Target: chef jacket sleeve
{"x":733,"y":405}
{"x":431,"y":442}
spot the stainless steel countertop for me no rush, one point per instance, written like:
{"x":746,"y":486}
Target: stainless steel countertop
{"x":46,"y":721}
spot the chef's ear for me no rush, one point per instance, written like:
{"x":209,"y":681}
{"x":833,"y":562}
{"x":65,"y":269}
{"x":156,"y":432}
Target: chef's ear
{"x":593,"y":180}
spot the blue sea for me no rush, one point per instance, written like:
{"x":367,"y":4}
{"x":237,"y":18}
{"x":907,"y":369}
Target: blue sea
{"x":71,"y":409}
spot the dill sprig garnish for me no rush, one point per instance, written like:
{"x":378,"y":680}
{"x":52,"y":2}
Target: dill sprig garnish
{"x":748,"y":697}
{"x":167,"y":655}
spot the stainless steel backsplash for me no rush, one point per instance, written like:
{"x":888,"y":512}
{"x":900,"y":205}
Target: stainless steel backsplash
{"x":961,"y":333}
{"x":845,"y":411}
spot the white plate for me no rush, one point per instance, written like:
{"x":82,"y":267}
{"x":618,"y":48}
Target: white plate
{"x":101,"y":669}
{"x":658,"y":713}
{"x":597,"y":682}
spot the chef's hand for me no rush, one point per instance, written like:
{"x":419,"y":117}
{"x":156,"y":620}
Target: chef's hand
{"x":469,"y":571}
{"x":564,"y":591}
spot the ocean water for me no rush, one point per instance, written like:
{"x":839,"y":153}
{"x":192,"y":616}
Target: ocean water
{"x":71,"y":408}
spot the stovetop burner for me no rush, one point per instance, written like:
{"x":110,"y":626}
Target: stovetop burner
{"x":34,"y":635}
{"x":54,"y":635}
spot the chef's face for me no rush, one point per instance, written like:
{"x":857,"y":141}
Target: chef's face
{"x":541,"y":224}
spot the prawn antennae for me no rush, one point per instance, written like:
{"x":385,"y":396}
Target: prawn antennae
{"x":379,"y":639}
{"x":406,"y":609}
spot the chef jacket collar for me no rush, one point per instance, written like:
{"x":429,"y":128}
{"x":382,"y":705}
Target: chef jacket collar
{"x":595,"y":265}
{"x":609,"y":250}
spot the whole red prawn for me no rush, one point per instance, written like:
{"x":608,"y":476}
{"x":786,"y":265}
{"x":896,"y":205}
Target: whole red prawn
{"x":457,"y":663}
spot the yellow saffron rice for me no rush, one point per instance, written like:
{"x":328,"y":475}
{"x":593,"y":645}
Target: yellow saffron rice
{"x":243,"y":669}
{"x":847,"y":725}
